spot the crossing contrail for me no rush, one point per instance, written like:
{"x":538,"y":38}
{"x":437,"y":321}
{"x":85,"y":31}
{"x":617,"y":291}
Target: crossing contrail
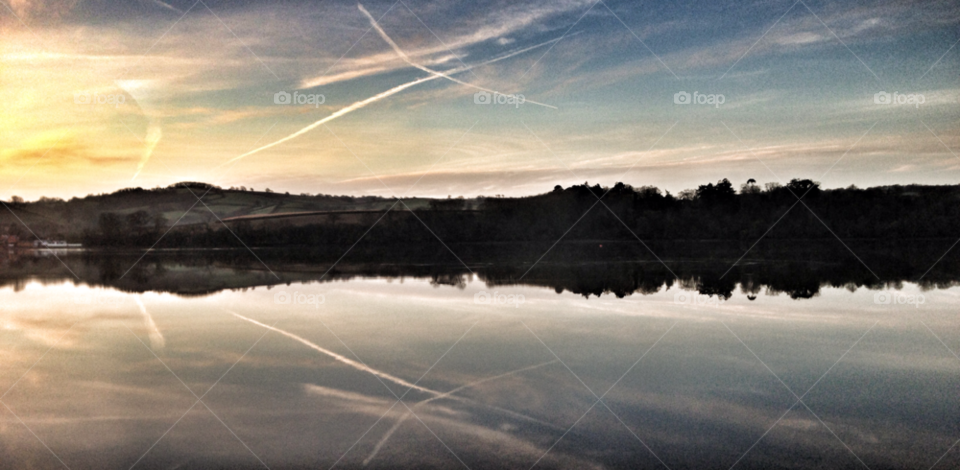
{"x":397,"y":89}
{"x":407,"y":59}
{"x":346,"y":360}
{"x":406,"y":415}
{"x":156,"y":338}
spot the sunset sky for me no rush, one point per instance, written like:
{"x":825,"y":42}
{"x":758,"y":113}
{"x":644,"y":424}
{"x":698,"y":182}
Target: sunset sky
{"x":98,"y":95}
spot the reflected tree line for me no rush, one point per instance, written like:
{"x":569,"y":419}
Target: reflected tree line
{"x":619,"y":269}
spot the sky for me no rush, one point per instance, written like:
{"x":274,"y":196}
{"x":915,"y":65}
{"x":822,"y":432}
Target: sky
{"x":437,"y":98}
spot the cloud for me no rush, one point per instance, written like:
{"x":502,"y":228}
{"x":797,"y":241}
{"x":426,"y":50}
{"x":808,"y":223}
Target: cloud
{"x":46,"y":10}
{"x":473,"y":30}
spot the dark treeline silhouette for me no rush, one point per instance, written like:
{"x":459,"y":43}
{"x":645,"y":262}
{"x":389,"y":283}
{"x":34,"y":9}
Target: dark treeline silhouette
{"x":798,"y":270}
{"x":716,"y":211}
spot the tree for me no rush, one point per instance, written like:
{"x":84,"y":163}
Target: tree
{"x":801,"y":187}
{"x":722,"y":192}
{"x":110,"y":224}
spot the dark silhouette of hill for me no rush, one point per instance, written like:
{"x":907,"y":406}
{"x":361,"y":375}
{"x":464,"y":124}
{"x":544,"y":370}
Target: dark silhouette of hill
{"x":800,"y":209}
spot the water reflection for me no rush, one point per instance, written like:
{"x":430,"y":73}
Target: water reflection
{"x":106,"y":372}
{"x":797,"y":270}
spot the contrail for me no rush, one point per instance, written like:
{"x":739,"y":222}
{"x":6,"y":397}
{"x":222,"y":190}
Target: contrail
{"x":341,"y":112}
{"x":166,"y":6}
{"x":403,"y":418}
{"x":343,"y":359}
{"x":406,"y":58}
{"x":156,"y":338}
{"x":397,"y":89}
{"x":151,"y":140}
{"x":436,"y":395}
{"x":143,"y":97}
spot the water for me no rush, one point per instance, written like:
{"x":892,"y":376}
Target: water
{"x":171,"y":371}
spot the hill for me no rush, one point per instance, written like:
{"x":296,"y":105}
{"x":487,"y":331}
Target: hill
{"x":715,"y":211}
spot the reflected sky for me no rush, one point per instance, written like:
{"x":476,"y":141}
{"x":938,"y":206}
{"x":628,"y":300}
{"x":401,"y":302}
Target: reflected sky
{"x":105,"y":383}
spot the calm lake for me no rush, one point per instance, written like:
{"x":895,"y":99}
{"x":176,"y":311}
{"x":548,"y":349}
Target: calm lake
{"x":200,"y":361}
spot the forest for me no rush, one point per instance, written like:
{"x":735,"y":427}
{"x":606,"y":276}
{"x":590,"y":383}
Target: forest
{"x":799,"y":209}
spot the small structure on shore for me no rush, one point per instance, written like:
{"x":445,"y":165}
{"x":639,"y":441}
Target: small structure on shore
{"x":54,"y":244}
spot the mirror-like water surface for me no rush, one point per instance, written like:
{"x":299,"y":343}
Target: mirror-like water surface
{"x":458,"y":371}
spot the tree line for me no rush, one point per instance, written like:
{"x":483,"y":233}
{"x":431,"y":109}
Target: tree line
{"x":799,"y":209}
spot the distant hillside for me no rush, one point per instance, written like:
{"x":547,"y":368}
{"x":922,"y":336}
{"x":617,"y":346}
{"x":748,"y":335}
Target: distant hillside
{"x":162,"y":207}
{"x":137,"y":218}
